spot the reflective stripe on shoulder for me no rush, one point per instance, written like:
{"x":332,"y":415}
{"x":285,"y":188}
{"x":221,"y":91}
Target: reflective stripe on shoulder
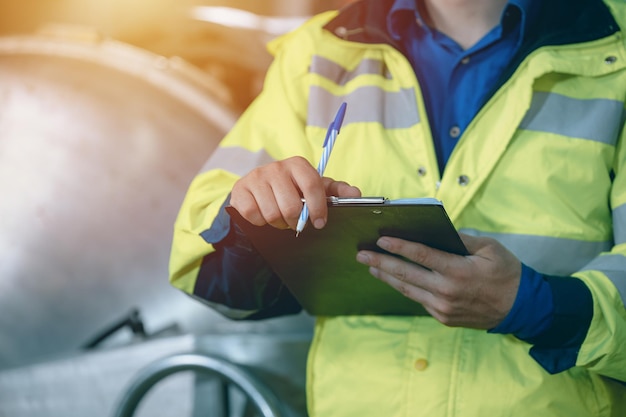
{"x":597,"y":120}
{"x":237,"y":160}
{"x":548,"y":255}
{"x":392,"y":109}
{"x":614,"y":267}
{"x":341,"y":76}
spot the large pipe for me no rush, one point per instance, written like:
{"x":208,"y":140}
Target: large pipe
{"x":258,"y":393}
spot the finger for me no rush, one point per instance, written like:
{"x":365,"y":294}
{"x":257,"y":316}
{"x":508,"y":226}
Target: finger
{"x":277,"y":190}
{"x":409,"y":279}
{"x":269,"y":207}
{"x":433,"y":305}
{"x":289,"y":204}
{"x":314,"y":194}
{"x":340,"y":188}
{"x":246,"y":205}
{"x":400,"y":269}
{"x":431,"y":258}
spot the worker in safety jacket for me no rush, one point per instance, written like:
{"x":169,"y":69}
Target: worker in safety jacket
{"x":517,"y":126}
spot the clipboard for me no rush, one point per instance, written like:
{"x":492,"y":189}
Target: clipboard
{"x":319,"y":267}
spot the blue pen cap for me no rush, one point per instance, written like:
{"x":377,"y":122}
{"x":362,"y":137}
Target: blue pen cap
{"x":335,"y":125}
{"x":339,"y":117}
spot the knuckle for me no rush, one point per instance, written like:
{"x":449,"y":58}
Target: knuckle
{"x":280,"y":166}
{"x":448,"y":293}
{"x":447,"y":287}
{"x":292,"y":163}
{"x":399,"y":272}
{"x":444,"y":291}
{"x":234,"y":201}
{"x":273,"y":217}
{"x":256,"y":173}
{"x":404,"y":289}
{"x":421,"y":257}
{"x":252,"y":216}
{"x":375,"y":261}
{"x":300,"y":160}
{"x":292,"y":210}
{"x":246,"y":212}
{"x":443,"y":313}
{"x":311,"y":182}
{"x":238,"y":189}
{"x":271,"y":170}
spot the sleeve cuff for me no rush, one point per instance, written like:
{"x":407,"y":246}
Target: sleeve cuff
{"x":220,"y":228}
{"x":532,"y":310}
{"x":553,"y":314}
{"x":236,"y":277}
{"x":556,"y":348}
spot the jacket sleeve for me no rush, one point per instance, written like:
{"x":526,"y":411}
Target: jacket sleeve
{"x":588,"y":325}
{"x":603,"y":350}
{"x":210,"y":260}
{"x":235,"y":280}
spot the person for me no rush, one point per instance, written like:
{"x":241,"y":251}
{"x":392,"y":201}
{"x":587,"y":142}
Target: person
{"x":509,"y":112}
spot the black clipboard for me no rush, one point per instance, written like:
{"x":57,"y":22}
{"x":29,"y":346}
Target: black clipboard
{"x":319,"y":267}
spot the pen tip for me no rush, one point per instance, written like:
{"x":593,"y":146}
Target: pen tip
{"x":297,"y":233}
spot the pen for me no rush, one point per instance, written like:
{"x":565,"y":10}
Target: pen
{"x":329,"y":142}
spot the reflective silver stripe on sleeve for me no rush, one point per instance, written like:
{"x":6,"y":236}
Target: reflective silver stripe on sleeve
{"x":619,"y":224}
{"x":341,"y":76}
{"x":237,"y":160}
{"x":592,"y":119}
{"x":393,"y":109}
{"x":548,"y":255}
{"x":614,"y":267}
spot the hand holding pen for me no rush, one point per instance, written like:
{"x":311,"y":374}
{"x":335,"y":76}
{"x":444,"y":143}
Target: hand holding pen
{"x":272,"y":193}
{"x":329,"y":142}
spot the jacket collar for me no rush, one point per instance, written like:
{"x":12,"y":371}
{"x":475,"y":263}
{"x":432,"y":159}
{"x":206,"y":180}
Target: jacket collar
{"x":558,"y":22}
{"x":363,"y":21}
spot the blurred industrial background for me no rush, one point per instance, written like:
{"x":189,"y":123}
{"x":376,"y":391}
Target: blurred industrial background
{"x":108,"y":108}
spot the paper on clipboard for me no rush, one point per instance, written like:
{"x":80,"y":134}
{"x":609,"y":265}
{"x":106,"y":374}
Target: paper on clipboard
{"x":319,"y":267}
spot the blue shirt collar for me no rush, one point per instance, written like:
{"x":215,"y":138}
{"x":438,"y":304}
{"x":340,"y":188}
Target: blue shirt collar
{"x":523,"y":12}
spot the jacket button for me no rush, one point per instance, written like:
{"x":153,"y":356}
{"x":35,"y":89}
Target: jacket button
{"x":421,"y":171}
{"x":610,"y":60}
{"x":463,"y":180}
{"x":341,"y":32}
{"x":421,"y":364}
{"x":455,"y":132}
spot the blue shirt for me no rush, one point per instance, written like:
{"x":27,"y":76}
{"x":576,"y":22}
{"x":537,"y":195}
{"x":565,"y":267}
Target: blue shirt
{"x":455,"y":84}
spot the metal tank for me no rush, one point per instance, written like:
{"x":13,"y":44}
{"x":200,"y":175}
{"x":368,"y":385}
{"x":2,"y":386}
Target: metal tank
{"x":98,"y":143}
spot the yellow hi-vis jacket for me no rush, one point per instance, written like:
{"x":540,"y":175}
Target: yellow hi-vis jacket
{"x":541,"y":169}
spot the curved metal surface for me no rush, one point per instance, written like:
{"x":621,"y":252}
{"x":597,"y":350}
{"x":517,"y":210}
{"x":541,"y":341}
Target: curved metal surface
{"x":98,"y":143}
{"x":92,"y":383}
{"x":262,"y":397}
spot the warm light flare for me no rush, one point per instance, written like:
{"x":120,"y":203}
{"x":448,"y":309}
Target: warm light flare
{"x":228,"y":16}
